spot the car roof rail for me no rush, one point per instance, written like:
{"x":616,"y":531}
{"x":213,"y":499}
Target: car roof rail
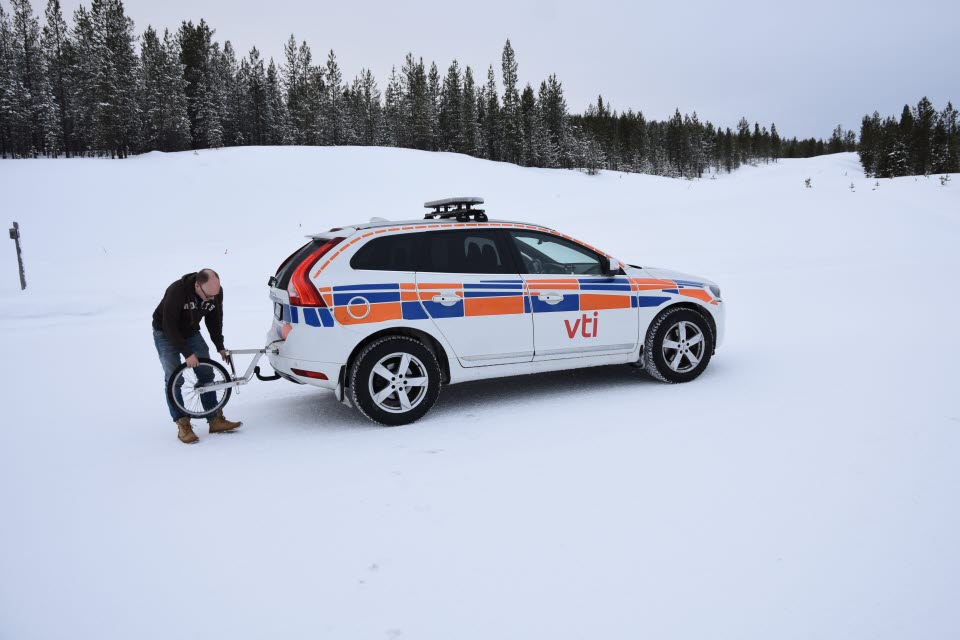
{"x":460,"y":208}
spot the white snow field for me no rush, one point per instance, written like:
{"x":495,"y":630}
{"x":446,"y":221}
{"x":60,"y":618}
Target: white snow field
{"x":806,"y":486}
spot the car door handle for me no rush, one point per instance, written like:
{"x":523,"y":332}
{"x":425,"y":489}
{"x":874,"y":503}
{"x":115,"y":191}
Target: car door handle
{"x":550,"y":297}
{"x":446,"y":299}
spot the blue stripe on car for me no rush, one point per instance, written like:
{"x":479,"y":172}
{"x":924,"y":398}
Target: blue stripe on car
{"x":570,"y":302}
{"x":651,"y":301}
{"x":491,"y":294}
{"x":367,"y":287}
{"x":341,"y":299}
{"x":413,"y":311}
{"x":310,"y":317}
{"x":437,"y":310}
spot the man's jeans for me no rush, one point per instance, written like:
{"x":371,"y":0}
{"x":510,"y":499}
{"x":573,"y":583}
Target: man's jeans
{"x":170,"y":359}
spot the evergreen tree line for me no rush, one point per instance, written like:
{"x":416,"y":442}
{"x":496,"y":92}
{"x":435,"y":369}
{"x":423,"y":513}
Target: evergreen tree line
{"x":85,"y":90}
{"x":683,"y":146}
{"x":923,"y":141}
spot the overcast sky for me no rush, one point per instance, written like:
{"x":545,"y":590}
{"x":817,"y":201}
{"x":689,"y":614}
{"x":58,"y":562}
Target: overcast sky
{"x":807,"y":66}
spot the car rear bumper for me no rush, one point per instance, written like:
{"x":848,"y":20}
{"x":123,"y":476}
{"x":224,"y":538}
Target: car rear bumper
{"x":322,"y":374}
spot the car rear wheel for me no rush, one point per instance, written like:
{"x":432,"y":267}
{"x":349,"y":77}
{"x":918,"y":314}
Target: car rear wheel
{"x":679,"y":345}
{"x":395,"y":380}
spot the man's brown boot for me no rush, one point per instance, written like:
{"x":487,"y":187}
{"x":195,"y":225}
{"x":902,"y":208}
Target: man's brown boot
{"x":219,"y":424}
{"x":186,"y":434}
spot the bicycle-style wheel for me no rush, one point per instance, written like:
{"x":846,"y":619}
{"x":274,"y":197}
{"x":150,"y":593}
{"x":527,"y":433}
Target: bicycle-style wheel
{"x":185,"y":388}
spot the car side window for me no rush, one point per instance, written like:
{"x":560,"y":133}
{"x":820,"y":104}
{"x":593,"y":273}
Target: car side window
{"x":543,"y":253}
{"x":396,"y":252}
{"x":466,"y":251}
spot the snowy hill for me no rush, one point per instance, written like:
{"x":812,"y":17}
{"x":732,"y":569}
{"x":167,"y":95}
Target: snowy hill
{"x":804,"y":487}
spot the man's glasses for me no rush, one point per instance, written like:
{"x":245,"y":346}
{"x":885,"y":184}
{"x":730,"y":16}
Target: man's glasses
{"x":202,"y":290}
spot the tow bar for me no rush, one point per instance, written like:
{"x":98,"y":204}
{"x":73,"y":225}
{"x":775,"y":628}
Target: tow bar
{"x":252,"y":370}
{"x":203,"y":390}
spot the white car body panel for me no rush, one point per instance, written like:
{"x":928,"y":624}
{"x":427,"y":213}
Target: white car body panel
{"x":483,"y":344}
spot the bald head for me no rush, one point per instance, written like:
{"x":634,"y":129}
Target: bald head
{"x":208,"y":284}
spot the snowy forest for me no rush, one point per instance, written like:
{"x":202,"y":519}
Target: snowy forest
{"x":922,"y":142}
{"x":98,"y":89}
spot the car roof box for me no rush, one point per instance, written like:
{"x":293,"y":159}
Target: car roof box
{"x":461,"y":208}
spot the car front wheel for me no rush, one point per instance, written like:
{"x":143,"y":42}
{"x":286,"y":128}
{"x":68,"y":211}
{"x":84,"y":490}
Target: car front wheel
{"x":679,"y":345}
{"x":395,"y":380}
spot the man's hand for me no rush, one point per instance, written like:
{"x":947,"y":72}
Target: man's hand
{"x":224,"y":356}
{"x":192,"y":361}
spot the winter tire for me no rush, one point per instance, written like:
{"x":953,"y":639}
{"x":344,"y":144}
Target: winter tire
{"x":678,"y":346}
{"x":183,"y":388}
{"x":395,"y":380}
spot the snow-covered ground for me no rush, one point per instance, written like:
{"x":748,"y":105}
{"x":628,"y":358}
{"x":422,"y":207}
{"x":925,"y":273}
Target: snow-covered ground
{"x":806,"y":486}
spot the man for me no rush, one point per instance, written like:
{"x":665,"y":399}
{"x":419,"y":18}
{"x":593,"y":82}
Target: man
{"x":176,"y":332}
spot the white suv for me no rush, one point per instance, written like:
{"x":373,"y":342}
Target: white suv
{"x":384,"y":312}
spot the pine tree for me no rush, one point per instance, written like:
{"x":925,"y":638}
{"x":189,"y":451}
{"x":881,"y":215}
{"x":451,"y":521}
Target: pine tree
{"x":677,"y":144}
{"x":469,"y":142}
{"x":835,"y":144}
{"x":511,"y":137}
{"x":531,"y":127}
{"x":743,"y":141}
{"x":553,"y":109}
{"x":57,"y":53}
{"x":116,"y":80}
{"x":334,"y":125}
{"x":756,"y":142}
{"x":394,"y":119}
{"x":433,"y":106}
{"x":416,"y":111}
{"x":949,"y":119}
{"x":901,"y":160}
{"x":278,"y":121}
{"x":371,"y":130}
{"x":924,"y":118}
{"x":7,"y":113}
{"x":196,"y":56}
{"x":255,"y":89}
{"x":163,"y":100}
{"x":83,"y":79}
{"x":302,"y":108}
{"x":729,"y":153}
{"x":492,"y":129}
{"x":774,"y":142}
{"x":451,"y":108}
{"x":30,"y":99}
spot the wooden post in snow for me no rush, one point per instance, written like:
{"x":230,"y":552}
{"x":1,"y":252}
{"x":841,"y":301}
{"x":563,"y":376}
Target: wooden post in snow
{"x":15,"y":236}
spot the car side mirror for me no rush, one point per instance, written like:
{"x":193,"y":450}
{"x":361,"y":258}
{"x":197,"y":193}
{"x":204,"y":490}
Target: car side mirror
{"x":611,"y":266}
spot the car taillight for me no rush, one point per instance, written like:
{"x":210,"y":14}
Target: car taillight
{"x":301,"y":290}
{"x":309,"y":374}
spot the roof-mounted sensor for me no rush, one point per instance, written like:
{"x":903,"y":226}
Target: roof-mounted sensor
{"x":460,"y":209}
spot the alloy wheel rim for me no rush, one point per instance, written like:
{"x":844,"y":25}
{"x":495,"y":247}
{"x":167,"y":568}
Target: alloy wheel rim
{"x":683,"y":346}
{"x":398,"y":382}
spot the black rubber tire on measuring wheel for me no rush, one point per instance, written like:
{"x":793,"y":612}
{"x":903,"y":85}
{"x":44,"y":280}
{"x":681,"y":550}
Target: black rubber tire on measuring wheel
{"x":387,"y":393}
{"x":679,"y":345}
{"x":219,"y":373}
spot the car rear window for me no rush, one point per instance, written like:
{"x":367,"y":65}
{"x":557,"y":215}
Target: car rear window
{"x":286,"y":270}
{"x":468,"y":251}
{"x":398,"y":252}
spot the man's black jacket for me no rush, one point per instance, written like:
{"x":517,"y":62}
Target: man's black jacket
{"x":178,"y":314}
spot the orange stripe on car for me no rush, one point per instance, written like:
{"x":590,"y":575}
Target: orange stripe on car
{"x":379,"y":312}
{"x":504,"y":305}
{"x":699,"y":294}
{"x":598,"y":301}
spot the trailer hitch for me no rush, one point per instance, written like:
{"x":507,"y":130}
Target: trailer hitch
{"x":275,"y":376}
